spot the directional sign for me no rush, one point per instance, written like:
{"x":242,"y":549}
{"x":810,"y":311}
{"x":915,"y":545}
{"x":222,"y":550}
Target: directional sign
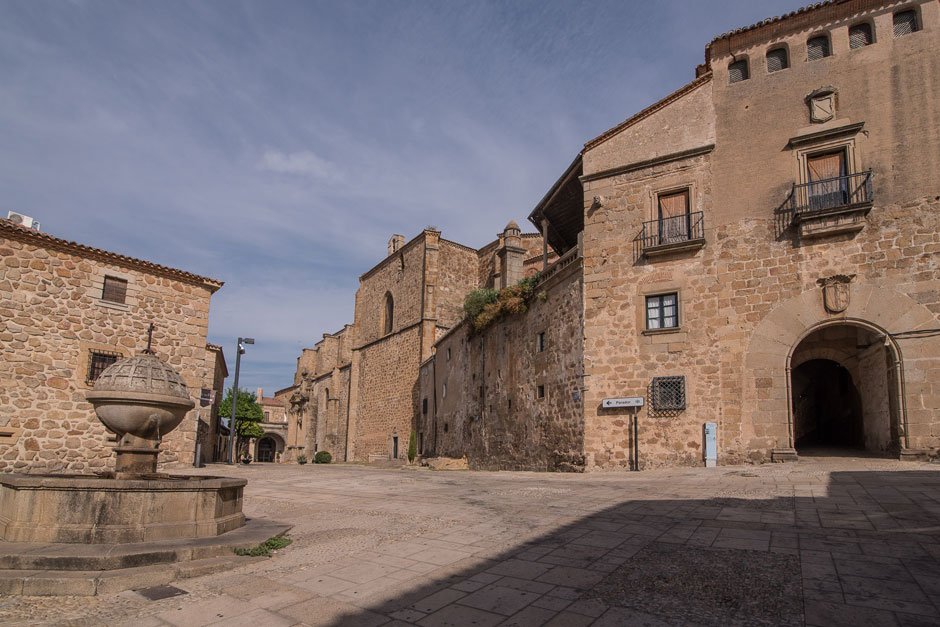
{"x":630,"y":401}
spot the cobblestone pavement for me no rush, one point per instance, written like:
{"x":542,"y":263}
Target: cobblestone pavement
{"x":834,"y":541}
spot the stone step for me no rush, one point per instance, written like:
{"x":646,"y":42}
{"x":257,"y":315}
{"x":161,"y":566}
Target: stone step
{"x":24,"y":556}
{"x":96,"y":582}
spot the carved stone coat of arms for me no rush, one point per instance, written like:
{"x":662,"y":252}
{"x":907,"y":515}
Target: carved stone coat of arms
{"x":836,"y":292}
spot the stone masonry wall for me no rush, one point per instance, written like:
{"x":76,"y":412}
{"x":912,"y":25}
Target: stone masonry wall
{"x":51,"y":318}
{"x":491,"y":411}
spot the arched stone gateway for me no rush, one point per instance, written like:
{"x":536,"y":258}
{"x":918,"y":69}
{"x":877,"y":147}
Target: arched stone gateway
{"x":856,"y":379}
{"x":269,"y":446}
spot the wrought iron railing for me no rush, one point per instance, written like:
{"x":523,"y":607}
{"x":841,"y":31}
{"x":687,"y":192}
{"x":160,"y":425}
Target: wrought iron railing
{"x":687,"y":227}
{"x":831,"y":194}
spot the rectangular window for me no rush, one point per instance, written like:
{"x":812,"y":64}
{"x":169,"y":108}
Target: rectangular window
{"x":448,"y":354}
{"x":777,"y":60}
{"x":673,"y":215}
{"x":540,"y":342}
{"x":668,"y":393}
{"x":444,"y":391}
{"x":540,"y":391}
{"x":424,"y":407}
{"x":98,"y":361}
{"x":827,"y":177}
{"x":860,"y":36}
{"x":905,"y":23}
{"x":662,"y":311}
{"x":817,"y":48}
{"x":115,"y":290}
{"x":267,"y":416}
{"x":737,"y":72}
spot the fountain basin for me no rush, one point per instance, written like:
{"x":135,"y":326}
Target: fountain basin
{"x":145,"y":415}
{"x":92,"y":509}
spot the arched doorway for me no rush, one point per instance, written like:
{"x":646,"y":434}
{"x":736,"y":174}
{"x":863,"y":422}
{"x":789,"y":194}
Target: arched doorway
{"x":267,"y":447}
{"x":843,"y":391}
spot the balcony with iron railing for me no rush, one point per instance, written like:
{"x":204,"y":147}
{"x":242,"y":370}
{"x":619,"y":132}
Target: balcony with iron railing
{"x":672,"y":234}
{"x":833,"y":205}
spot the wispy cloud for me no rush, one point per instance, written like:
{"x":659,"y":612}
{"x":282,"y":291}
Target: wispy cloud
{"x":302,"y":163}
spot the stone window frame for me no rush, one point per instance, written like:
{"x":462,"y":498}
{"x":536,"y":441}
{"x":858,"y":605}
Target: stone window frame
{"x":540,"y":392}
{"x":659,"y":289}
{"x":872,"y":31}
{"x":646,"y":311}
{"x":827,"y":36}
{"x":540,"y":342}
{"x":96,"y":289}
{"x":674,"y":185}
{"x":813,"y":149}
{"x":918,"y":19}
{"x":781,"y":46}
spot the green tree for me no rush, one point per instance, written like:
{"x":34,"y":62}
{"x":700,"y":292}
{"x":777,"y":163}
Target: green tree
{"x":248,"y":418}
{"x":412,"y":447}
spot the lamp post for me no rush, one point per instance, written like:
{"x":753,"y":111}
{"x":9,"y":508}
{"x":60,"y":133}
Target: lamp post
{"x":239,"y":350}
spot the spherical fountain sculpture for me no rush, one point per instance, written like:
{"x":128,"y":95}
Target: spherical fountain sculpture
{"x":140,"y":399}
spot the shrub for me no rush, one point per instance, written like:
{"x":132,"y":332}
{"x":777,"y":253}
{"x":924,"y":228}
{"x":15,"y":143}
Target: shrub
{"x":483,"y":307}
{"x":264,"y":549}
{"x":301,"y":459}
{"x":322,"y":457}
{"x":412,"y":447}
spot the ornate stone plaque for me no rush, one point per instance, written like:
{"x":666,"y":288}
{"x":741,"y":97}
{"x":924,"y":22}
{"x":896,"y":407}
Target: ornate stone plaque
{"x":836,"y":294}
{"x":822,"y":105}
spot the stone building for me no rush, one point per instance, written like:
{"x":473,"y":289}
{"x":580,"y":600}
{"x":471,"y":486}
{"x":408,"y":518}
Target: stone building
{"x":270,"y":447}
{"x":67,"y":311}
{"x":355,"y":393}
{"x":758,"y":250}
{"x":214,"y":445}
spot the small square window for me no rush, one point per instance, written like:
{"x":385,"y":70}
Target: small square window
{"x":668,"y":393}
{"x":662,"y":311}
{"x":817,"y":48}
{"x":905,"y":23}
{"x":540,"y":342}
{"x":98,"y":362}
{"x":115,"y":290}
{"x":738,"y":72}
{"x":860,"y":36}
{"x":540,"y":391}
{"x":777,"y":59}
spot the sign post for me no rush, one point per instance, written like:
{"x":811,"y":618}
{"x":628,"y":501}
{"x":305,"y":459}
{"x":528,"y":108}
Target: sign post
{"x":634,"y":403}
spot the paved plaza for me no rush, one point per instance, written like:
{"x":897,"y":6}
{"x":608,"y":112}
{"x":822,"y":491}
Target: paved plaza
{"x":824,"y":541}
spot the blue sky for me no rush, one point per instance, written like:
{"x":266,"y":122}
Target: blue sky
{"x":277,"y":144}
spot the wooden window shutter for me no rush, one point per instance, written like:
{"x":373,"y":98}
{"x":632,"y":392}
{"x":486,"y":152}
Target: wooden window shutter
{"x":817,"y":48}
{"x":905,"y":23}
{"x":860,"y":36}
{"x":777,"y":60}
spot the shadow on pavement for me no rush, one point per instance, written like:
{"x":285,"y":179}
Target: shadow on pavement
{"x":865,"y":550}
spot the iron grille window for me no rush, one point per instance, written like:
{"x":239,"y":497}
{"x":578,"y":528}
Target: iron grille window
{"x":668,"y":393}
{"x":777,"y":60}
{"x":115,"y":290}
{"x":662,"y":311}
{"x":817,"y":48}
{"x":860,"y":36}
{"x":737,"y":72}
{"x":905,"y":23}
{"x":98,"y":361}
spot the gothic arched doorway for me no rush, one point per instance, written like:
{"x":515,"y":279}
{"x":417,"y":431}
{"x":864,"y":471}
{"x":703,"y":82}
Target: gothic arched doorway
{"x":844,"y":392}
{"x":267,"y":447}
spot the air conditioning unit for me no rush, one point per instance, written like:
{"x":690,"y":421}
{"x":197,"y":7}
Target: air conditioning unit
{"x":19,"y":218}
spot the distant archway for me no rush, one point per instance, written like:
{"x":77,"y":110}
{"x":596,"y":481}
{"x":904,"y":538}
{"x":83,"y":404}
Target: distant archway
{"x":268,"y":447}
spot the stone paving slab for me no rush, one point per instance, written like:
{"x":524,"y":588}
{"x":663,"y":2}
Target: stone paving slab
{"x":817,"y":542}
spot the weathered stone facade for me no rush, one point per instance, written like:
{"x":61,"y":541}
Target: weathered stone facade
{"x":53,"y":319}
{"x":775,"y":284}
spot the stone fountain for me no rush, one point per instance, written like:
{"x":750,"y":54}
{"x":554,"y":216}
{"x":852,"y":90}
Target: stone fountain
{"x":140,"y":399}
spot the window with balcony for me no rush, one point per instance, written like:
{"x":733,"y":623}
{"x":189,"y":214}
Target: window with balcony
{"x":832,"y":198}
{"x":676,"y":226}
